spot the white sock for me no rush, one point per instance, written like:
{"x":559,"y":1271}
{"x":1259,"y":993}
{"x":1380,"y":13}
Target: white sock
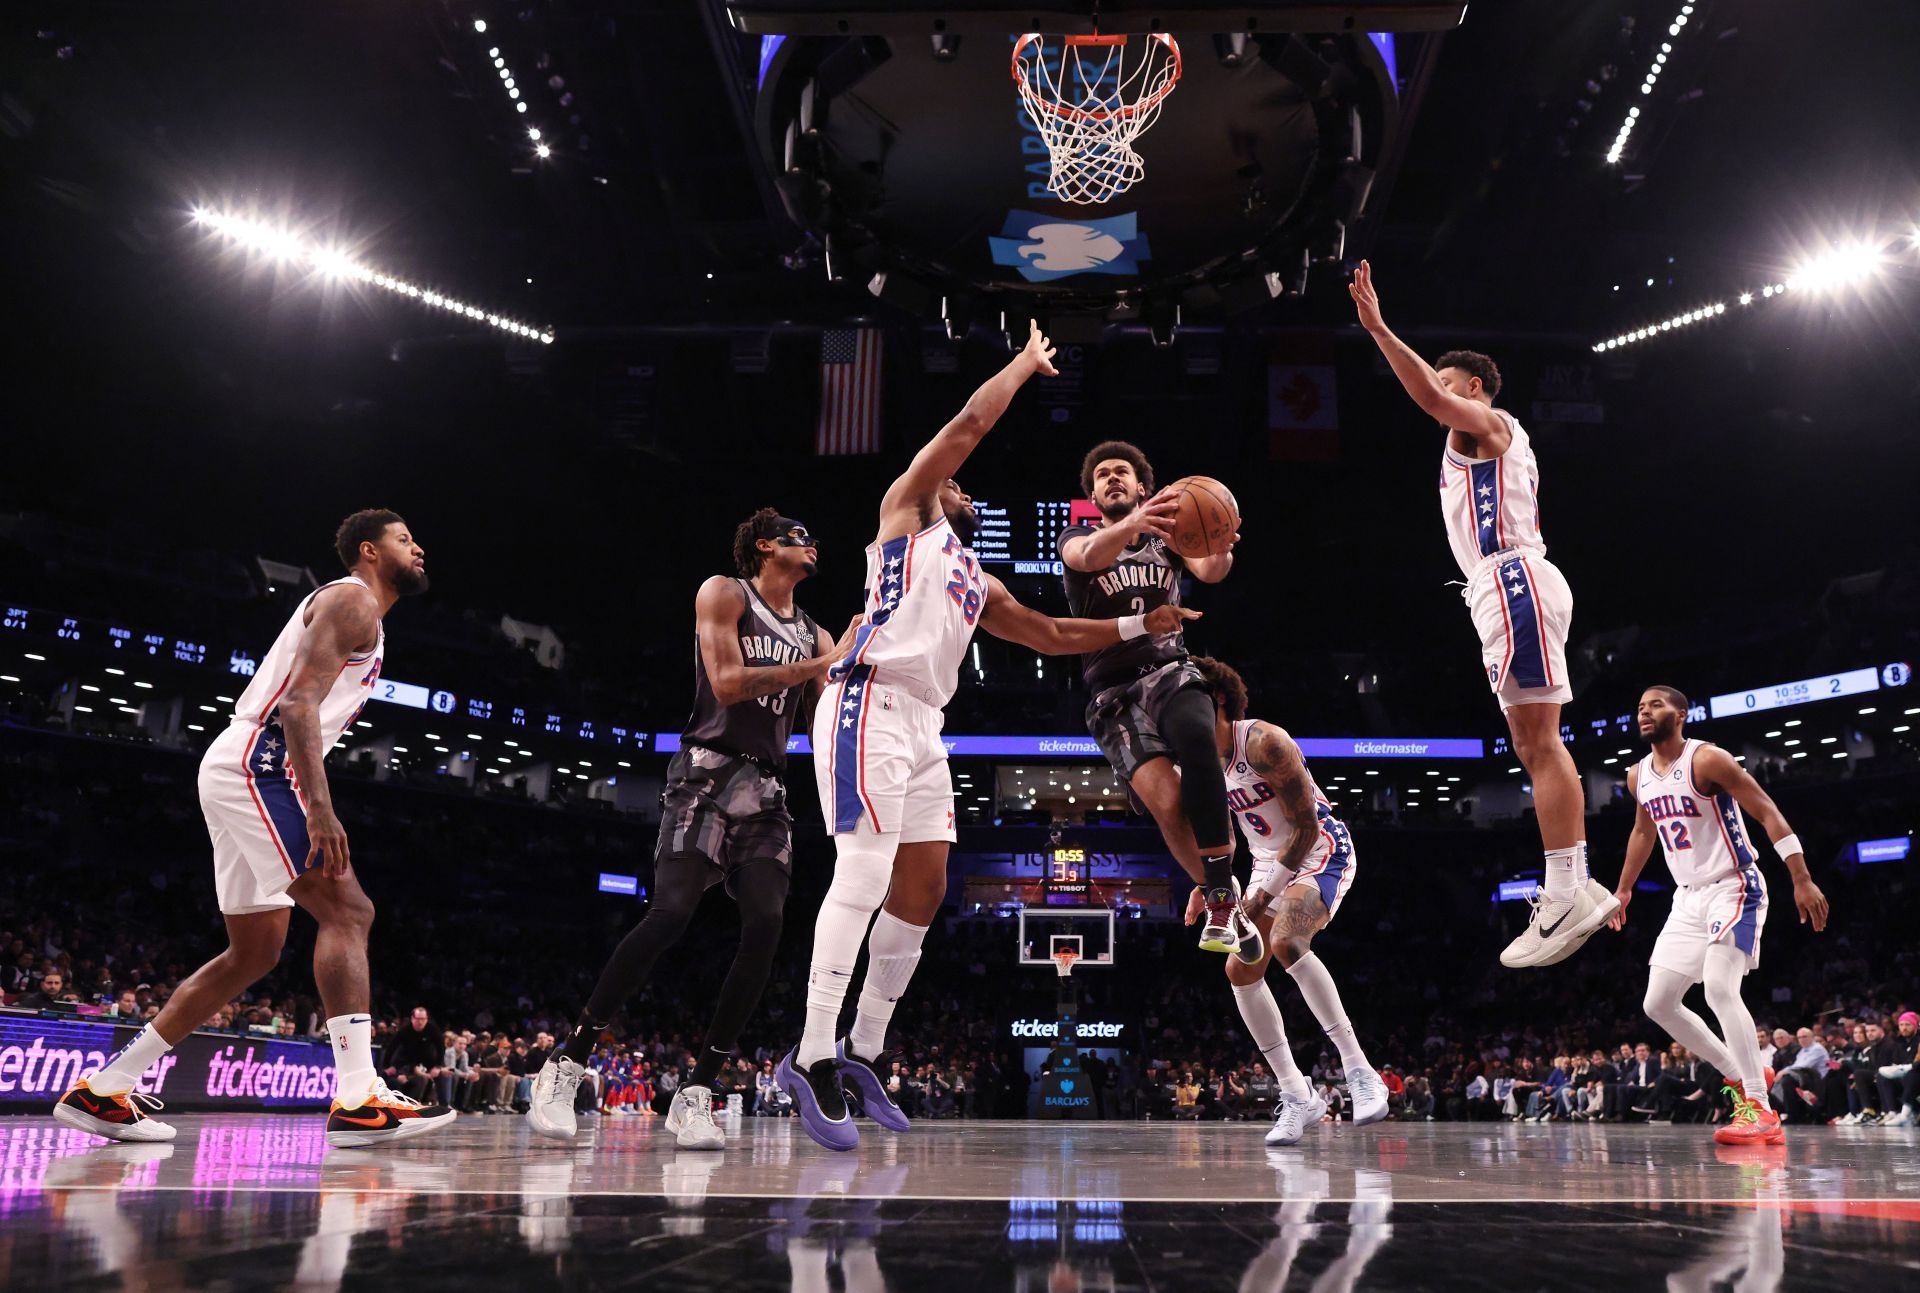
{"x":1563,"y":872}
{"x":893,"y":950}
{"x":836,"y":945}
{"x":1316,"y":985}
{"x":126,"y":1068}
{"x":352,"y":1058}
{"x":1262,"y":1015}
{"x":1582,"y":872}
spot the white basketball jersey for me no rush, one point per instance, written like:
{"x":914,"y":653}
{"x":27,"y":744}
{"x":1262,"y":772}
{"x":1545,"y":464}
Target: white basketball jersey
{"x":1703,"y":836}
{"x":1255,"y":809}
{"x":1491,"y":504}
{"x":343,"y":701}
{"x":925,"y":593}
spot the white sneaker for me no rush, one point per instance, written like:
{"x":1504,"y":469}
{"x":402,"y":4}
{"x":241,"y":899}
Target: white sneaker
{"x":1847,"y":1121}
{"x":555,"y":1087}
{"x":1292,"y":1116}
{"x":690,"y":1119}
{"x":1902,"y":1119}
{"x":1559,"y":927}
{"x":1369,"y":1095}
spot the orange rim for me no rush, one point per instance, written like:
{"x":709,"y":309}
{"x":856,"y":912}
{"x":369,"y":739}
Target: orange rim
{"x":1131,"y":110}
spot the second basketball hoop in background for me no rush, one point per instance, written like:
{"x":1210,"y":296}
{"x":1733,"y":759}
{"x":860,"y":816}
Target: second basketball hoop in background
{"x":1090,"y":97}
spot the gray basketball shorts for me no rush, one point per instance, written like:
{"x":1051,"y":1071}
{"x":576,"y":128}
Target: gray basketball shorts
{"x":727,"y":810}
{"x":1123,"y":718}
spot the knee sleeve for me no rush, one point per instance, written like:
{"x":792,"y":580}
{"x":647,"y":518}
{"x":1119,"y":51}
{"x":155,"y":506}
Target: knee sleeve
{"x":1186,"y":723}
{"x":863,"y":871}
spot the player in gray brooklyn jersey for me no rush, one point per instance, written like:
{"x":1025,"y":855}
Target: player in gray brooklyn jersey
{"x":758,"y":661}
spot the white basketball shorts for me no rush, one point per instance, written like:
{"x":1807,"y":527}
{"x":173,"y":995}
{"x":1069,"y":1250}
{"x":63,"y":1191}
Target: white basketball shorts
{"x":1730,"y":910}
{"x":1523,"y":609}
{"x":879,"y":761}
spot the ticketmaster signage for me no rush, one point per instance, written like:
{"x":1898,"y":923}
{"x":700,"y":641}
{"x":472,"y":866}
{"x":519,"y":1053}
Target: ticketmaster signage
{"x":1085,"y":747}
{"x":41,"y":1058}
{"x":1048,"y":1027}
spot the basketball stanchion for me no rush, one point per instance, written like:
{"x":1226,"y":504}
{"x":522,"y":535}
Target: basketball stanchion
{"x":1065,"y":1090}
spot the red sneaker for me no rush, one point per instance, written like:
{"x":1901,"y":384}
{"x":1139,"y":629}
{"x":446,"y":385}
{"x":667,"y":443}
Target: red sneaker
{"x":1751,"y":1125}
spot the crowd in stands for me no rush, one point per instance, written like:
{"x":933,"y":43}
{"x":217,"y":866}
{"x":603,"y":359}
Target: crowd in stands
{"x":482,"y":957}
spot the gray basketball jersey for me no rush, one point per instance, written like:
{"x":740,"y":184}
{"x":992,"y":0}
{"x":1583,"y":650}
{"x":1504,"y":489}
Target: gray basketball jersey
{"x":754,"y":729}
{"x":1145,"y":577}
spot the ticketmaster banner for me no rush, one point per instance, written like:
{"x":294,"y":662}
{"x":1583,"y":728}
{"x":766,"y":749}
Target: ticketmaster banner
{"x":40,"y":1058}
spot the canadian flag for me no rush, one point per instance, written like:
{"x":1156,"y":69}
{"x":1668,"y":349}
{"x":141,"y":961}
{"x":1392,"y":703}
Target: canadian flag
{"x":1303,"y":412}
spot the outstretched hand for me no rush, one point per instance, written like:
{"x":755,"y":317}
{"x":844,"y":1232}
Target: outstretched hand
{"x":1040,"y":350}
{"x":1365,"y":299}
{"x":1618,"y":920}
{"x":1167,"y":619}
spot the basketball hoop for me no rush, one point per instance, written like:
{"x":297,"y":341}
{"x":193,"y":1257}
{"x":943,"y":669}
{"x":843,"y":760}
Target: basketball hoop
{"x":1063,"y":960}
{"x":1089,"y":107}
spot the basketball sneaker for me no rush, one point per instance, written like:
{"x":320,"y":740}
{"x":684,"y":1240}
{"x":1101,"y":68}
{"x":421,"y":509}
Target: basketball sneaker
{"x":1751,"y":1125}
{"x":1559,"y":927}
{"x":550,"y":1112}
{"x":817,"y":1095}
{"x":385,"y":1116}
{"x":117,"y":1117}
{"x":1293,"y":1115}
{"x":864,"y":1075}
{"x":1222,"y":932}
{"x":1369,"y":1095}
{"x":690,"y":1119}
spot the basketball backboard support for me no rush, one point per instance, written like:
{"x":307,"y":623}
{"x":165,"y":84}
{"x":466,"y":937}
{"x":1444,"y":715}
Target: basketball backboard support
{"x":1042,"y":931}
{"x":1085,"y":17}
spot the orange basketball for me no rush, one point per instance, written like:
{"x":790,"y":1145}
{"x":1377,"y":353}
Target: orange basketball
{"x":1208,"y":517}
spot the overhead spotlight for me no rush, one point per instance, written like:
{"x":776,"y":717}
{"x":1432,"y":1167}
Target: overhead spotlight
{"x":1746,"y":298}
{"x":533,"y":133}
{"x":494,"y":52}
{"x":286,"y":246}
{"x":480,"y":24}
{"x":520,"y":107}
{"x":542,"y":151}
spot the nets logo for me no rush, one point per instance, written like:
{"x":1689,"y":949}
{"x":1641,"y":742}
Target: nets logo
{"x":1045,"y":247}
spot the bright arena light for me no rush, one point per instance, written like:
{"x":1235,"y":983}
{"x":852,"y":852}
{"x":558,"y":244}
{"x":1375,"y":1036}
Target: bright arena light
{"x":1646,"y":87}
{"x":1840,"y":265}
{"x":290,"y":247}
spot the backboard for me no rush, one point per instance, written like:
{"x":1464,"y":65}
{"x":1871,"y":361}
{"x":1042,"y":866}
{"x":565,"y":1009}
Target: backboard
{"x":1088,"y":930}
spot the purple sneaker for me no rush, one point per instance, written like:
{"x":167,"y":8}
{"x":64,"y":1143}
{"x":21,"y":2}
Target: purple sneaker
{"x":874,"y":1100}
{"x":822,"y":1104}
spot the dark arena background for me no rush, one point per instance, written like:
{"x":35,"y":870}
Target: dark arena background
{"x":575,"y":286}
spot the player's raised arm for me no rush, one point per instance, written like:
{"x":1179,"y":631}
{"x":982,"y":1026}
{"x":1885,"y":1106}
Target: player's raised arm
{"x":1639,"y":849}
{"x":1272,"y":754}
{"x":909,"y":501}
{"x":345,"y":623}
{"x":1716,"y":768}
{"x":1007,"y":619}
{"x":1455,"y":412}
{"x":716,"y":610}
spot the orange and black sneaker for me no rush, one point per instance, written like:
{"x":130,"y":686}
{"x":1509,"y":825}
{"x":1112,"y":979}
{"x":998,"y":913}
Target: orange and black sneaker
{"x":385,"y":1116}
{"x":117,"y":1117}
{"x":1753,"y":1124}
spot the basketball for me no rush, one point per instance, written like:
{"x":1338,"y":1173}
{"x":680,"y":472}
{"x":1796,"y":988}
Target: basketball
{"x":1208,"y":517}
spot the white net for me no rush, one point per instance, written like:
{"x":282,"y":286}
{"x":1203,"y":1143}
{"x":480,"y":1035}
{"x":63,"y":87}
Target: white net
{"x":1090,"y":98}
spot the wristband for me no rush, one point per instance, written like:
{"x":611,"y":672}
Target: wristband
{"x":1787,"y":845}
{"x":1132,"y":626}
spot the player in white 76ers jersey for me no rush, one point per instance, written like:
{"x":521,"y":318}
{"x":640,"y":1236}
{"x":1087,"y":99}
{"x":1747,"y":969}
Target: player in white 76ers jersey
{"x":881,"y":765}
{"x":277,"y":842}
{"x":1522,"y":609}
{"x":1303,"y":865}
{"x":1688,"y":795}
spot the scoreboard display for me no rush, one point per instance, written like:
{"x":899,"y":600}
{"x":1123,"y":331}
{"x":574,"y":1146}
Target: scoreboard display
{"x":1022,"y":536}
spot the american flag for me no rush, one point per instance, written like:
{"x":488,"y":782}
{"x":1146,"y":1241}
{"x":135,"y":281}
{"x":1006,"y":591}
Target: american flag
{"x":849,"y":392}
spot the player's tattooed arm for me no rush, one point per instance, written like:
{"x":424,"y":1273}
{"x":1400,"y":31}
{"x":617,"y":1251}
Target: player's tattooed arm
{"x":1272,"y":754}
{"x":1005,"y":618}
{"x":910,"y":501}
{"x":1639,"y":848}
{"x":343,"y":621}
{"x":1715,"y":770}
{"x":716,"y":615}
{"x":1456,"y":413}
